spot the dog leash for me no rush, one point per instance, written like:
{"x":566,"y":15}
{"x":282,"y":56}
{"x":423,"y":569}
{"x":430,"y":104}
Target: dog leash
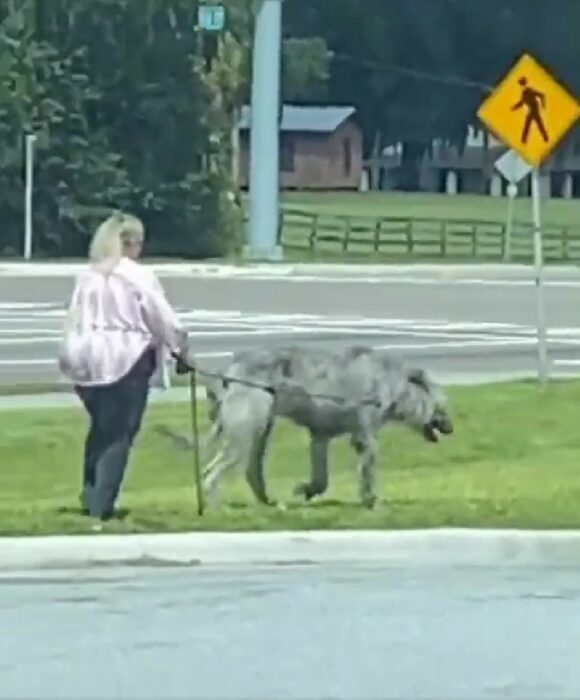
{"x":183,"y":367}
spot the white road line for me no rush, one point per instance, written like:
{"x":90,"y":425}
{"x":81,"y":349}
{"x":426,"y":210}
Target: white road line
{"x":445,"y":280}
{"x":29,"y":323}
{"x":37,"y":331}
{"x":28,"y":305}
{"x":227,"y":316}
{"x":32,"y":315}
{"x":483,"y":341}
{"x":230,"y":318}
{"x":231,"y":324}
{"x":26,"y":363}
{"x":478,"y":338}
{"x":28,"y":340}
{"x":49,"y":361}
{"x":457,"y":344}
{"x":227,"y":353}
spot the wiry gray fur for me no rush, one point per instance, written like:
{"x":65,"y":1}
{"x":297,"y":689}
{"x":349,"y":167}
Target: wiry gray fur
{"x":373,"y":388}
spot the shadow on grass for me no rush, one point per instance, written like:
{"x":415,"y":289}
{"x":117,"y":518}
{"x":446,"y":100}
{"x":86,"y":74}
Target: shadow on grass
{"x":120,"y":514}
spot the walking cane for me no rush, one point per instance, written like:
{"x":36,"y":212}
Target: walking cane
{"x":195,"y":433}
{"x":182,"y":367}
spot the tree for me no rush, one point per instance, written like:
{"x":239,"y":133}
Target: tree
{"x":417,"y":70}
{"x":126,"y":117}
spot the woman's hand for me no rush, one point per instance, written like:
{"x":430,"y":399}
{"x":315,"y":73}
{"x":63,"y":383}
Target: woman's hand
{"x":181,"y":365}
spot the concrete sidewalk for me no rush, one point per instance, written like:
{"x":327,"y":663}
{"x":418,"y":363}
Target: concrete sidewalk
{"x":437,"y":547}
{"x":69,"y":399}
{"x":177,"y":394}
{"x":217,"y":269}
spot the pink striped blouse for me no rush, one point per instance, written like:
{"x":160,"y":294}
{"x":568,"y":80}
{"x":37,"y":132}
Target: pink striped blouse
{"x":112,"y":318}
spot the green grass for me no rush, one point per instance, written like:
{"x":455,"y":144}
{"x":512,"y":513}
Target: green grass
{"x":513,"y":462}
{"x":557,"y":212}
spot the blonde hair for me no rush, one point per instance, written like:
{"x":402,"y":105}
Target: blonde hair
{"x":112,"y":237}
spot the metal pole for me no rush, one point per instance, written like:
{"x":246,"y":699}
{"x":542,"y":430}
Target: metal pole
{"x":29,"y":187}
{"x":538,"y":270}
{"x":195,"y":435}
{"x":265,"y":134}
{"x":512,"y":191}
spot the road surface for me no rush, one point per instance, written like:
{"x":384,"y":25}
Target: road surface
{"x":452,"y":323}
{"x":295,"y":632}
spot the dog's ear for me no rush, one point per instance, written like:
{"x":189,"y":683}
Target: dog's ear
{"x":418,"y":377}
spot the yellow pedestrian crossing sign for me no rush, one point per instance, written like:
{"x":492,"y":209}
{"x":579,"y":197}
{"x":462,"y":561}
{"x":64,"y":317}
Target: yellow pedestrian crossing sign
{"x":530,"y":111}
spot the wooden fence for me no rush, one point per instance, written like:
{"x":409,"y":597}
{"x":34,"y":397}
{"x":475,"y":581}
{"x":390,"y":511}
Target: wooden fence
{"x":318,"y":235}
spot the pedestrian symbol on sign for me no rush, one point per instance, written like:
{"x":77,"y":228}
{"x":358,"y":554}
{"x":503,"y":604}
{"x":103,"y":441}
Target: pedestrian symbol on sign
{"x":534,"y":101}
{"x":530,"y":111}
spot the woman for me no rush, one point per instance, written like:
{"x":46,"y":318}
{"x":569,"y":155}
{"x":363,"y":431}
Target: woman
{"x":119,"y":334}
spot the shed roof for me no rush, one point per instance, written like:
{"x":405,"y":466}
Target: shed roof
{"x":322,"y":120}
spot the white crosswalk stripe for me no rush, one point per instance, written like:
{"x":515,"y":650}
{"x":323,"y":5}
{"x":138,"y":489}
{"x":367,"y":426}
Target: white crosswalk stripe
{"x":40,"y":324}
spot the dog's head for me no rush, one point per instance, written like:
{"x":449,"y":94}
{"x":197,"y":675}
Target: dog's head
{"x":439,"y":424}
{"x":435,"y":417}
{"x":423,"y":406}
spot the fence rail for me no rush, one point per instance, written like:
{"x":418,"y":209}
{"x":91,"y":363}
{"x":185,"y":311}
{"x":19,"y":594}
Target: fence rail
{"x":317,"y":235}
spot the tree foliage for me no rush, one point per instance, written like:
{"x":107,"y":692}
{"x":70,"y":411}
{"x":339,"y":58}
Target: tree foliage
{"x":134,"y":108}
{"x":417,"y":70}
{"x":127,"y":113}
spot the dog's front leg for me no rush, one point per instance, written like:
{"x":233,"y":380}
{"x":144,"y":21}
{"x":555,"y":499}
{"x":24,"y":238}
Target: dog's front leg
{"x":367,"y":449}
{"x":318,"y":469}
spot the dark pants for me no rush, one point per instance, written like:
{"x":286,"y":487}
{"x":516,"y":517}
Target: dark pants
{"x":116,"y":411}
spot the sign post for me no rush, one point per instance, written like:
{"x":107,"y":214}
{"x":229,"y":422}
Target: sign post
{"x":531,"y":112}
{"x":512,"y":193}
{"x":514,"y":169}
{"x":538,"y":270}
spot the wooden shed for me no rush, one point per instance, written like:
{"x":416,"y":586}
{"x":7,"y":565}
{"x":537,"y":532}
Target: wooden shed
{"x":321,"y":148}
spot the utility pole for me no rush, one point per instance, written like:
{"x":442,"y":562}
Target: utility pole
{"x":265,"y":134}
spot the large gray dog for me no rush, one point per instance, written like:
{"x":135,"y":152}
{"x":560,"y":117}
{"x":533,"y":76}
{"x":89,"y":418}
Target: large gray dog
{"x":353,"y":391}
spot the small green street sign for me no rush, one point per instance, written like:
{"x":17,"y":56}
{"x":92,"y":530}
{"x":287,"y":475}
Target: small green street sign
{"x":211,"y":18}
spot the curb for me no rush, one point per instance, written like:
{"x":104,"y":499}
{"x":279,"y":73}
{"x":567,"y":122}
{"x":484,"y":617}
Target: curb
{"x":10,"y":402}
{"x":444,"y":547}
{"x":69,"y":399}
{"x":283,"y":270}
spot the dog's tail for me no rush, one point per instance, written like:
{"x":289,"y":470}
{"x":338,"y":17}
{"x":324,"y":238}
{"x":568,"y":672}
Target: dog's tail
{"x":184,"y":443}
{"x":215,"y":390}
{"x":180,"y":442}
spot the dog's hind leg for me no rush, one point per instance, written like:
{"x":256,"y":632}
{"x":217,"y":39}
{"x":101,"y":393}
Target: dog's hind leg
{"x":209,"y":468}
{"x":255,"y":466}
{"x":215,"y":471}
{"x":318,"y":469}
{"x":210,"y":439}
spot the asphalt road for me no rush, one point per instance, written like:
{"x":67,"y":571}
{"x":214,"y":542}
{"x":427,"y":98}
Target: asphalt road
{"x":341,"y":632}
{"x":454,"y":324}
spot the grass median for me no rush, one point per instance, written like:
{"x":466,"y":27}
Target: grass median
{"x":513,"y":462}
